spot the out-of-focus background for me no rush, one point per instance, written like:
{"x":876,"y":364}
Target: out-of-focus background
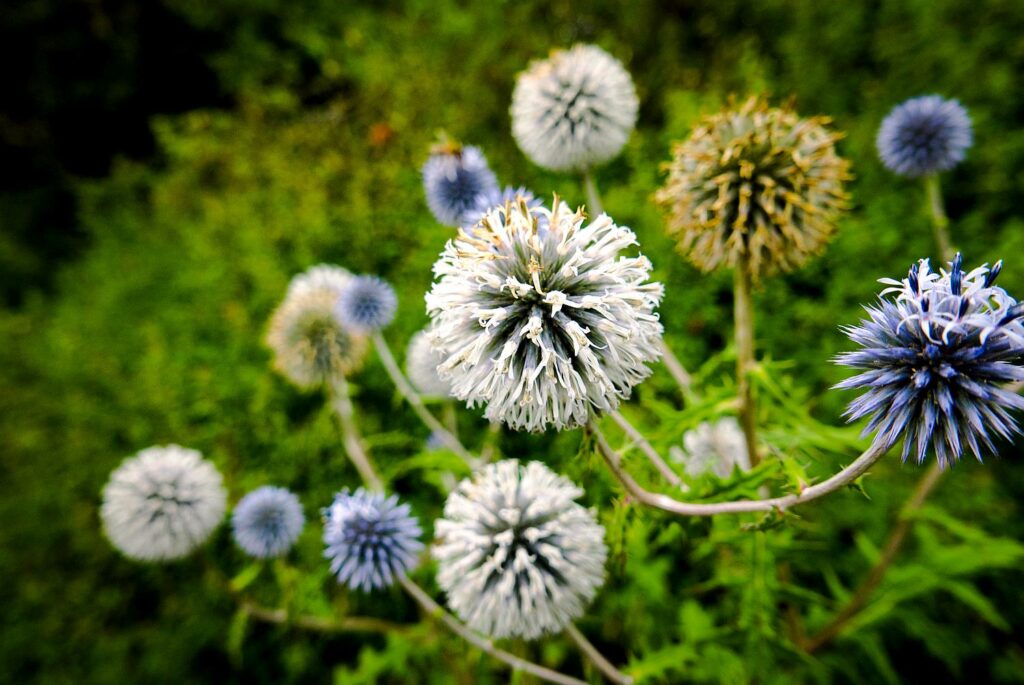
{"x":167,"y":165}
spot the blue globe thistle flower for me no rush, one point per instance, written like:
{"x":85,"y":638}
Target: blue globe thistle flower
{"x":267,"y":522}
{"x":924,"y":135}
{"x":454,"y":177}
{"x":367,"y":304}
{"x":371,"y":539}
{"x":936,"y":357}
{"x":487,"y":201}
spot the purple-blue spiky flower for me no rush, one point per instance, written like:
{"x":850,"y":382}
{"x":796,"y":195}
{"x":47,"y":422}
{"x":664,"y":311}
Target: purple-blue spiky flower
{"x":488,"y":201}
{"x":371,"y":539}
{"x":367,"y":304}
{"x":924,"y":135}
{"x":267,"y":522}
{"x":454,"y":176}
{"x":936,"y":358}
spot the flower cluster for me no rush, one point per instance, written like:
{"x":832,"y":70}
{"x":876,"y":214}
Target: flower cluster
{"x":715,"y":447}
{"x":455,"y":177}
{"x":367,"y":304}
{"x":162,"y":503}
{"x":267,"y":522}
{"x":936,"y":357}
{"x":539,"y":317}
{"x":924,"y":135}
{"x":421,"y":362}
{"x":756,"y":187}
{"x":516,"y":555}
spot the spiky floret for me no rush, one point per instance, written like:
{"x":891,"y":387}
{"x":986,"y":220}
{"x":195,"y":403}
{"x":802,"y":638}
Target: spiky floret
{"x":162,"y":503}
{"x":924,"y":135}
{"x":367,"y":304}
{"x":540,"y":318}
{"x":574,"y":109}
{"x":267,"y":522}
{"x":486,"y":202}
{"x":713,"y":447}
{"x":370,"y":539}
{"x":421,"y":362}
{"x":454,"y":177}
{"x":754,"y":185}
{"x":516,"y":555}
{"x":311,"y":345}
{"x":936,"y":358}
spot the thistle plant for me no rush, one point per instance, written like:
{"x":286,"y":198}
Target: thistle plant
{"x":421,"y":362}
{"x":715,"y":447}
{"x":924,"y":135}
{"x":267,"y":522}
{"x":366,"y":304}
{"x":455,"y":178}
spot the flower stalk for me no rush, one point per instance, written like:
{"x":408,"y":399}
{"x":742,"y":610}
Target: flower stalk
{"x":743,"y":311}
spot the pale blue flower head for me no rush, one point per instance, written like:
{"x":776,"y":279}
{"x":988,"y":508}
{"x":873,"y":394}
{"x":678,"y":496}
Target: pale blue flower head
{"x":924,"y":135}
{"x":454,"y":176}
{"x":936,"y":358}
{"x":371,"y":539}
{"x":367,"y":304}
{"x":267,"y":522}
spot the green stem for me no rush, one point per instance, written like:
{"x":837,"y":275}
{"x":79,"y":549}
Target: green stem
{"x":593,"y":198}
{"x":745,"y":361}
{"x":342,"y":403}
{"x":940,"y":222}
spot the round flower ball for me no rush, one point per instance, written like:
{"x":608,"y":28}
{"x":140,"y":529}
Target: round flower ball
{"x":755,"y":187}
{"x":924,"y":135}
{"x":454,"y":177}
{"x":421,"y":362}
{"x":935,"y":357}
{"x":311,"y":345}
{"x":517,"y":556}
{"x":367,"y":304}
{"x":540,"y":318}
{"x":267,"y":522}
{"x":370,"y":539}
{"x":574,"y":110}
{"x":162,"y":503}
{"x":714,"y":447}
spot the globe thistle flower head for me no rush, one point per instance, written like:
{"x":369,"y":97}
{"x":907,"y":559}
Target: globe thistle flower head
{"x":486,"y":202}
{"x":421,"y":362}
{"x":935,"y":358}
{"x":714,"y":447}
{"x":517,"y":556}
{"x":454,"y":177}
{"x":540,"y":318}
{"x":371,"y":539}
{"x":924,"y":135}
{"x":162,"y":503}
{"x":754,"y":186}
{"x":575,"y":109}
{"x":310,"y":344}
{"x":267,"y":522}
{"x":367,"y":304}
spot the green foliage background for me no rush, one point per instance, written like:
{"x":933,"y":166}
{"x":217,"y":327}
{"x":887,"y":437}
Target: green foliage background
{"x":153,"y":334}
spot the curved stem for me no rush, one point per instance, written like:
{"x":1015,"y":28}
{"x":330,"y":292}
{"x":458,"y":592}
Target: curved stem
{"x":416,"y":402}
{"x":593,"y":198}
{"x":646,"y":447}
{"x":479,"y":641}
{"x":342,"y":403}
{"x":676,"y":369}
{"x":320,"y":624}
{"x":892,"y":546}
{"x":613,"y":674}
{"x":743,"y":311}
{"x":940,"y":222}
{"x":845,"y":477}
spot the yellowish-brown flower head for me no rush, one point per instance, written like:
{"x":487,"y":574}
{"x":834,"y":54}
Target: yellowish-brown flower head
{"x":755,"y":185}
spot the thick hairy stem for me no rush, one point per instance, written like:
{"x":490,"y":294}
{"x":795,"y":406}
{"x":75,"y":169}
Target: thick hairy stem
{"x":676,"y":369}
{"x":321,"y":624}
{"x":435,"y":610}
{"x":897,"y":536}
{"x":593,"y":198}
{"x":940,"y":222}
{"x":840,"y":480}
{"x":613,"y":674}
{"x":645,"y":446}
{"x":416,"y":402}
{"x":342,"y":403}
{"x":744,"y":320}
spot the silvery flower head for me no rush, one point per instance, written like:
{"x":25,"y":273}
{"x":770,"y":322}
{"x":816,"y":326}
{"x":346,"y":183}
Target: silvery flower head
{"x":924,"y":135}
{"x":421,"y":362}
{"x":935,"y":359}
{"x":714,"y":447}
{"x":454,"y":177}
{"x":371,"y":539}
{"x":367,"y":304}
{"x":162,"y":503}
{"x":754,"y":186}
{"x":267,"y":522}
{"x":310,"y":344}
{"x":541,"y":318}
{"x":486,"y":202}
{"x":517,"y":556}
{"x":575,"y":109}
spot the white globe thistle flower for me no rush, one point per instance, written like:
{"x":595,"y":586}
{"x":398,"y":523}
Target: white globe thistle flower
{"x":574,"y":109}
{"x":516,"y":555}
{"x":162,"y":503}
{"x":320,"y":277}
{"x":713,"y":447}
{"x":540,"y":318}
{"x":421,"y":362}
